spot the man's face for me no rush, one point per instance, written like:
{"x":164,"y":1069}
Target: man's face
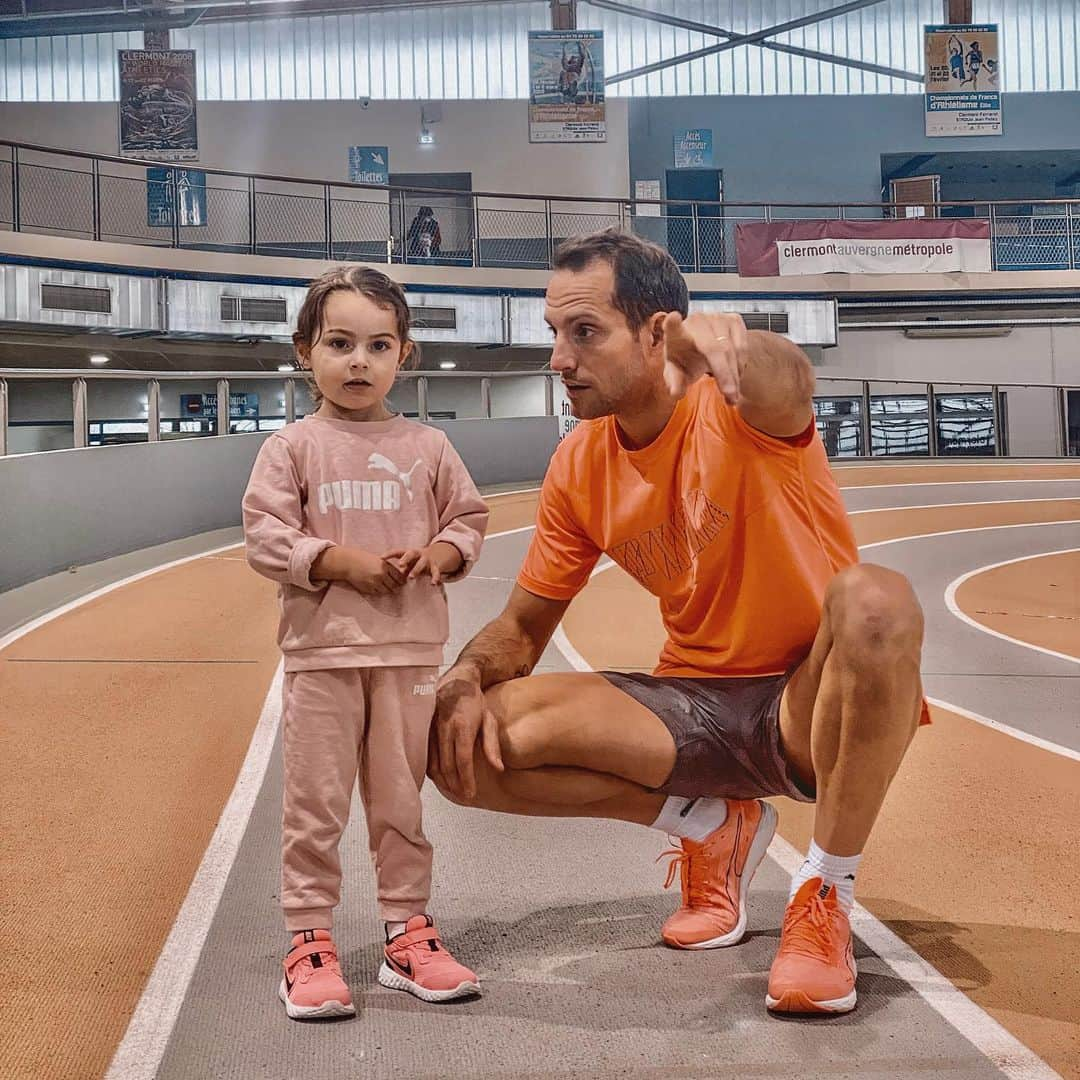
{"x":605,"y":366}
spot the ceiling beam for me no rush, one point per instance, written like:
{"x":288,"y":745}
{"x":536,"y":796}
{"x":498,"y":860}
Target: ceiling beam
{"x":957,"y":11}
{"x":775,"y":46}
{"x":743,"y":39}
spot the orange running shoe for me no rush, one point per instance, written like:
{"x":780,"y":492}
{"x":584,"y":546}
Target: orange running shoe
{"x":420,"y":964}
{"x":716,"y":876}
{"x":814,"y":970}
{"x":312,"y":986}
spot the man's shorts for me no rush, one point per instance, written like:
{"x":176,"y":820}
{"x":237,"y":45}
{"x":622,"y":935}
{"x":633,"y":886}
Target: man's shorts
{"x":726,"y":732}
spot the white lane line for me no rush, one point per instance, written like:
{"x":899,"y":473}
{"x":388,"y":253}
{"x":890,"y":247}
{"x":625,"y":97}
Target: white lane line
{"x":992,"y":463}
{"x":509,"y":532}
{"x":1007,"y":1053}
{"x":1005,"y":729}
{"x":957,"y":532}
{"x":955,"y":609}
{"x":949,"y":483}
{"x":143,"y":1046}
{"x":48,"y":617}
{"x":980,"y":1029}
{"x":945,"y":506}
{"x":504,"y":494}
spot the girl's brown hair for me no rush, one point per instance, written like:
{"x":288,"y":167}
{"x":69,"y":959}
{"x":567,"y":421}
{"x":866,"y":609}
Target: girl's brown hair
{"x":375,"y":285}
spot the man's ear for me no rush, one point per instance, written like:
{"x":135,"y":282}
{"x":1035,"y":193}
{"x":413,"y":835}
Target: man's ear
{"x":655,"y":327}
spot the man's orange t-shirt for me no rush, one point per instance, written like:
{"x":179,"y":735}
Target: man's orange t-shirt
{"x":735,"y":532}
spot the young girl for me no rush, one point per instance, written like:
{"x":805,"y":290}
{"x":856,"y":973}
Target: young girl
{"x":360,"y":515}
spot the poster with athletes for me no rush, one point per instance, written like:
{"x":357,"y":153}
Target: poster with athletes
{"x":963,"y":80}
{"x":157,"y":104}
{"x":566,"y":86}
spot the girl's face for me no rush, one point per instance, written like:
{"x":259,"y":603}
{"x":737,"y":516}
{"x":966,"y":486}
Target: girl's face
{"x":356,"y":357}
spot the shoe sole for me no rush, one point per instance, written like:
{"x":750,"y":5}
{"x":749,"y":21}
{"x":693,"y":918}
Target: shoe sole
{"x":324,"y":1011}
{"x":795,"y":1001}
{"x":389,"y":978}
{"x":762,"y":839}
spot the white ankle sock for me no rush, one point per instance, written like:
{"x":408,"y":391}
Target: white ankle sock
{"x":393,"y":929}
{"x":693,"y":819}
{"x":838,"y":870}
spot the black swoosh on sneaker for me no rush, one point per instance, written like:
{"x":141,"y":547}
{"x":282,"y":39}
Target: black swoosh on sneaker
{"x":288,"y":985}
{"x":405,"y":967}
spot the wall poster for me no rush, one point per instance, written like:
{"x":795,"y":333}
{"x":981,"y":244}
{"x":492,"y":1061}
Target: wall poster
{"x":566,"y":86}
{"x":963,"y":80}
{"x":158,"y":104}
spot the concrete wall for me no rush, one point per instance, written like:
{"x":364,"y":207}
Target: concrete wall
{"x":80,"y":506}
{"x":311,"y":139}
{"x":828,"y":148}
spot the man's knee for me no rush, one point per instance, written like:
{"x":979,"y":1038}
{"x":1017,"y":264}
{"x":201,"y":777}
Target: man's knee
{"x":522,"y":719}
{"x":873,"y":614}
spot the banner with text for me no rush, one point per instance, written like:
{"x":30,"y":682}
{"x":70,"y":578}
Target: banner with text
{"x":963,"y":80}
{"x":913,"y":246}
{"x":566,"y":86}
{"x":157,"y":104}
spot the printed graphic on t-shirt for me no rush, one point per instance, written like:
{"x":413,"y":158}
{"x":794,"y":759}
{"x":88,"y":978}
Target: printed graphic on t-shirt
{"x":671,"y":547}
{"x":381,"y":495}
{"x":379,"y":461}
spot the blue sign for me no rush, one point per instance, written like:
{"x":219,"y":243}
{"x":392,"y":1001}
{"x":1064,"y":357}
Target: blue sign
{"x":693,"y":148}
{"x":190,"y":197}
{"x":369,"y":165}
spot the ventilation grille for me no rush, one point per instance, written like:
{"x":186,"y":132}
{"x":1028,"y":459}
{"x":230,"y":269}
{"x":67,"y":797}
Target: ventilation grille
{"x":76,"y":298}
{"x":434,"y":318}
{"x":254,"y":309}
{"x":776,"y":321}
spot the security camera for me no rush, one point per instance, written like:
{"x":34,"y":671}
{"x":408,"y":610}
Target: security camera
{"x":365,"y":102}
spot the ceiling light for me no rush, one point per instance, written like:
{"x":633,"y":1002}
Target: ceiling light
{"x":448,"y":365}
{"x":286,"y":367}
{"x":99,"y":359}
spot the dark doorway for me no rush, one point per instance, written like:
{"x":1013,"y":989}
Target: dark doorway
{"x":696,"y":185}
{"x":452,"y":212}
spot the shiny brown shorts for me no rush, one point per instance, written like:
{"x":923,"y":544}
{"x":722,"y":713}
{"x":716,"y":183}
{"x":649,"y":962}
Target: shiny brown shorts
{"x":726,"y":732}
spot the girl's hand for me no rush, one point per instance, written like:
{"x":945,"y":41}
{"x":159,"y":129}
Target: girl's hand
{"x":371,"y":575}
{"x":436,"y":560}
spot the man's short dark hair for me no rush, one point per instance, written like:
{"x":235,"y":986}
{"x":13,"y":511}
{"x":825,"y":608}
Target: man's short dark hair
{"x":647,"y":279}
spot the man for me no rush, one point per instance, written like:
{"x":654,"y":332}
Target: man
{"x":788,"y":669}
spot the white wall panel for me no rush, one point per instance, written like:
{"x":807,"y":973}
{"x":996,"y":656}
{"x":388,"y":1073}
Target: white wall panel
{"x":481,"y":52}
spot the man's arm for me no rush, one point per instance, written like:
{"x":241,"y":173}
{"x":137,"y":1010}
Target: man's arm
{"x":765,"y":376}
{"x":776,"y":385}
{"x":511,"y":644}
{"x":507,"y":648}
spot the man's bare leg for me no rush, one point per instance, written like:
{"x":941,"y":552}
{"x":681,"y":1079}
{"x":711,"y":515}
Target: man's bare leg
{"x":852,"y":707}
{"x":846,"y":719}
{"x":554,"y":729}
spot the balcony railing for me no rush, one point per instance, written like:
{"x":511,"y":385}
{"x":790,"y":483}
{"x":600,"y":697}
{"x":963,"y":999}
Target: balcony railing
{"x":97,"y":197}
{"x":856,"y":418}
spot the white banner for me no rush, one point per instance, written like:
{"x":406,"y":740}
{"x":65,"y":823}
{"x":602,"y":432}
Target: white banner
{"x":924,"y":255}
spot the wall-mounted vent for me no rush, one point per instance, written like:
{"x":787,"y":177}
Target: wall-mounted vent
{"x":434,"y":318}
{"x":254,"y":309}
{"x":776,"y":321}
{"x":76,"y":298}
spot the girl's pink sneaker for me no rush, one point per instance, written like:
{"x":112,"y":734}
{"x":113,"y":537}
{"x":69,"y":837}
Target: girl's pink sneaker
{"x":312,"y":986}
{"x":418,"y":962}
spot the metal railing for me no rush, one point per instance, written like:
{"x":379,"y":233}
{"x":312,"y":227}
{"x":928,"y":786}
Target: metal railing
{"x":881,"y":418}
{"x":99,"y":197}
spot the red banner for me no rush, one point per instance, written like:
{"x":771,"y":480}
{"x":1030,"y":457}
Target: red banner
{"x":908,"y":246}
